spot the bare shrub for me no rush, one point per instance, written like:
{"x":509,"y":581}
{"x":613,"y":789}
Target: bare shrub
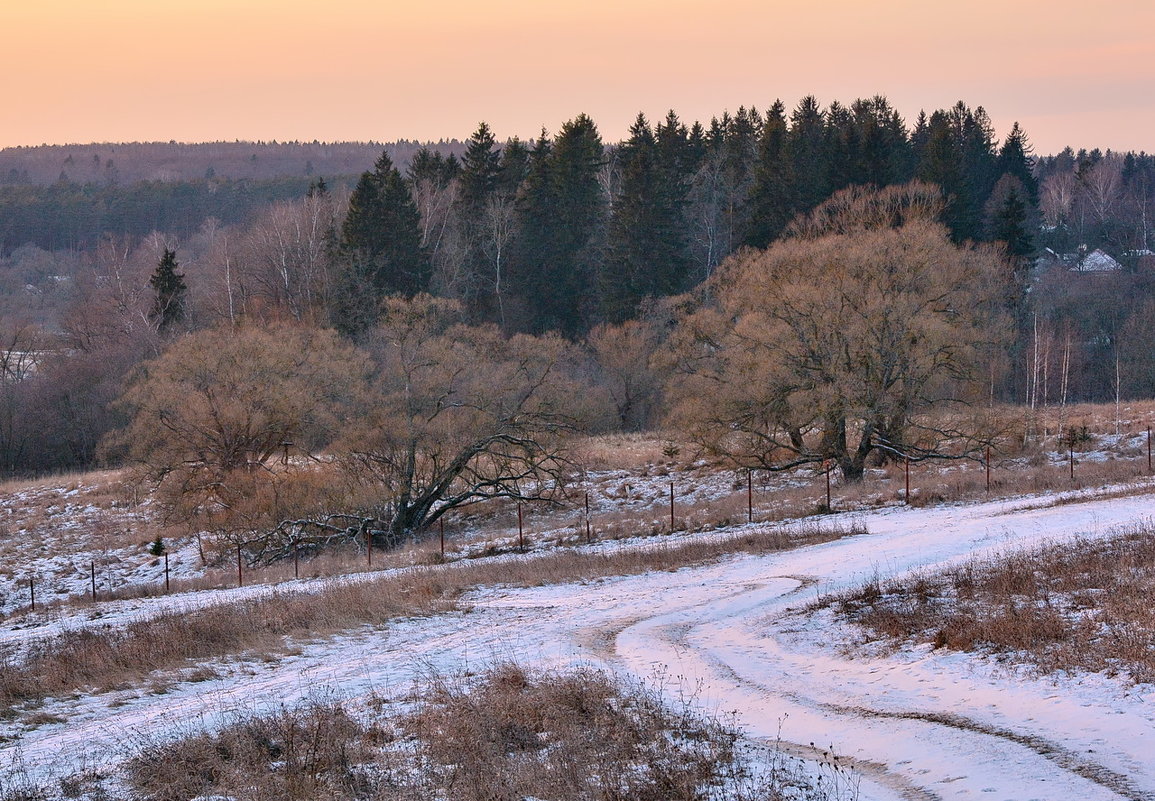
{"x":504,"y":735}
{"x":306,"y":753}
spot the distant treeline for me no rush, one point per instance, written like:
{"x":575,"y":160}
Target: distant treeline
{"x":67,"y":216}
{"x":172,"y":161}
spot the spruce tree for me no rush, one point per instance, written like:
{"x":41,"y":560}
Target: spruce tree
{"x":1010,"y":225}
{"x":883,"y":154}
{"x":479,"y":167}
{"x":695,"y":148}
{"x":1015,"y":159}
{"x":675,"y":153}
{"x":740,"y":152}
{"x":381,"y":249}
{"x":773,"y":197}
{"x":647,"y":249}
{"x":843,"y":149}
{"x":514,"y":166}
{"x":169,"y":290}
{"x":940,"y":163}
{"x":562,"y":223}
{"x":979,"y":164}
{"x":808,"y":154}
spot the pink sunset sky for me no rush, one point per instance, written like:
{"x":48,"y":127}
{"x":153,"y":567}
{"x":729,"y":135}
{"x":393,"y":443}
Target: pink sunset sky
{"x":77,"y":71}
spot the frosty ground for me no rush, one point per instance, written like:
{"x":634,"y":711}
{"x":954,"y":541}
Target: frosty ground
{"x":738,"y":635}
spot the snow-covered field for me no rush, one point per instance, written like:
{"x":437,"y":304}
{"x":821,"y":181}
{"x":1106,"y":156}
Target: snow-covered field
{"x":734,"y":635}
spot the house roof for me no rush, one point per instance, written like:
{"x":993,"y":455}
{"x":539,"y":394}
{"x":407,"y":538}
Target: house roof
{"x":1097,"y":262}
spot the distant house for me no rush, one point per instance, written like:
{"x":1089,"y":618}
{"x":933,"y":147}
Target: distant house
{"x":1097,"y":262}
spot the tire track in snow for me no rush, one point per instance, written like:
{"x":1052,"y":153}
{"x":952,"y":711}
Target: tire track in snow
{"x":676,"y":636}
{"x":1063,"y":757}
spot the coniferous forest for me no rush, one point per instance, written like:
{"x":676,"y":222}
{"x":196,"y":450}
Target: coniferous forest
{"x":565,"y":235}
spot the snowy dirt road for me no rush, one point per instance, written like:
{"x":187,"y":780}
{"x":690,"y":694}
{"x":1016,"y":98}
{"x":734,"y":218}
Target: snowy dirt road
{"x":735,"y":637}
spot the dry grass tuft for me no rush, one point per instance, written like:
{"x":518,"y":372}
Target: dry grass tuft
{"x":1082,"y":605}
{"x":634,"y":452}
{"x":504,"y":735}
{"x":578,"y":735}
{"x":313,"y":752}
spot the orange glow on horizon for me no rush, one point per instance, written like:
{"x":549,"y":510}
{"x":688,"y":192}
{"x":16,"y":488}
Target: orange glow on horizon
{"x":134,"y":70}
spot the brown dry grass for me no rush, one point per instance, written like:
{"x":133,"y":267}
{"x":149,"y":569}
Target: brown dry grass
{"x":629,"y":451}
{"x":100,"y":659}
{"x":1081,"y":605}
{"x":566,"y":736}
{"x":504,"y":735}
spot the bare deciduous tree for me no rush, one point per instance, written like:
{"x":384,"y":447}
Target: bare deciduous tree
{"x":221,"y":405}
{"x":841,"y":341}
{"x":22,"y":347}
{"x":285,"y":268}
{"x":459,"y":414}
{"x":625,"y":358}
{"x":1057,"y":198}
{"x":1102,"y":186}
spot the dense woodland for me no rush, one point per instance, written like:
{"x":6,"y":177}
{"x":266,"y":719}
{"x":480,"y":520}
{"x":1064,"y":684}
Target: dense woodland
{"x":112,"y":255}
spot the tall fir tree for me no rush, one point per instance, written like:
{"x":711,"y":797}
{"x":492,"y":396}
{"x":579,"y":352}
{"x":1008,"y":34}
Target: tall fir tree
{"x":842,"y":146}
{"x":169,"y":293}
{"x":940,"y":163}
{"x":1015,"y":159}
{"x":980,"y":164}
{"x":808,"y":153}
{"x":675,"y":152}
{"x":739,"y":154}
{"x":514,"y":166}
{"x":646,"y":247}
{"x":695,"y":148}
{"x":773,"y":197}
{"x":562,"y":227}
{"x":380,"y":248}
{"x":480,"y":170}
{"x":918,"y":138}
{"x":883,"y":154}
{"x":480,"y":166}
{"x":1010,"y":226}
